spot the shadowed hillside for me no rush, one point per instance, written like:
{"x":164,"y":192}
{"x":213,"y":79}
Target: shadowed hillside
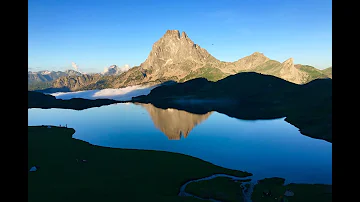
{"x":253,"y":96}
{"x":40,"y":100}
{"x":246,"y":95}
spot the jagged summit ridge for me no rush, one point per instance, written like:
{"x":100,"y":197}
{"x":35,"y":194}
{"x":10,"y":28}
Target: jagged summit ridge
{"x":173,"y":48}
{"x":176,"y":34}
{"x":183,"y":35}
{"x":172,"y":33}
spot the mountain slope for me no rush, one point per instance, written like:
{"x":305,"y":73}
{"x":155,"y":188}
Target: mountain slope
{"x":76,"y":82}
{"x":248,"y":63}
{"x":285,"y":70}
{"x":327,"y":72}
{"x":312,"y":73}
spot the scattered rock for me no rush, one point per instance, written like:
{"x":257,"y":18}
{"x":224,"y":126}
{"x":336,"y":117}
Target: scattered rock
{"x":33,"y":169}
{"x":83,"y":160}
{"x":288,"y":193}
{"x":267,"y":192}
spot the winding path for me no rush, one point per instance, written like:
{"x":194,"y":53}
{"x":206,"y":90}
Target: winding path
{"x":247,"y":192}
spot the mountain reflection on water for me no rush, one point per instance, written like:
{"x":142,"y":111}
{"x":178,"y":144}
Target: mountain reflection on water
{"x":266,"y":148}
{"x":174,"y":123}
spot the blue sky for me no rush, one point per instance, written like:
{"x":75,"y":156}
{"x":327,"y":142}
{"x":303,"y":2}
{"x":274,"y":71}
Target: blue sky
{"x":99,"y":33}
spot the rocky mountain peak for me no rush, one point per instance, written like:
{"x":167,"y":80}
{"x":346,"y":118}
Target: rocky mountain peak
{"x":173,"y":48}
{"x":251,"y":61}
{"x":257,"y":54}
{"x":172,"y":33}
{"x":289,"y":63}
{"x":183,"y":35}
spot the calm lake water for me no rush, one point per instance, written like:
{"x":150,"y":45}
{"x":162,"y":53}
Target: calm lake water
{"x":266,"y":148}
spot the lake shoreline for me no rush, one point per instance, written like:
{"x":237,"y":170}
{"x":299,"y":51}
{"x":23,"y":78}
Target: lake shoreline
{"x":45,"y":155}
{"x":208,"y":106}
{"x":69,"y":164}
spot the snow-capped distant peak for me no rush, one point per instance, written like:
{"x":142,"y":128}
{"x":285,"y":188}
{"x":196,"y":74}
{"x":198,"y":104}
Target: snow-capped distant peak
{"x":45,"y":72}
{"x":115,"y":70}
{"x":72,"y":72}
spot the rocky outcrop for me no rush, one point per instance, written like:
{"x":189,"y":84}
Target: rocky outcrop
{"x":290,"y":73}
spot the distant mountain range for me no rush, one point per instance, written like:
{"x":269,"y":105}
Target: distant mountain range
{"x":44,"y":76}
{"x":44,"y":79}
{"x":176,"y":57}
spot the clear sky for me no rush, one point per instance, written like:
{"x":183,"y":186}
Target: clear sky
{"x":98,"y":33}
